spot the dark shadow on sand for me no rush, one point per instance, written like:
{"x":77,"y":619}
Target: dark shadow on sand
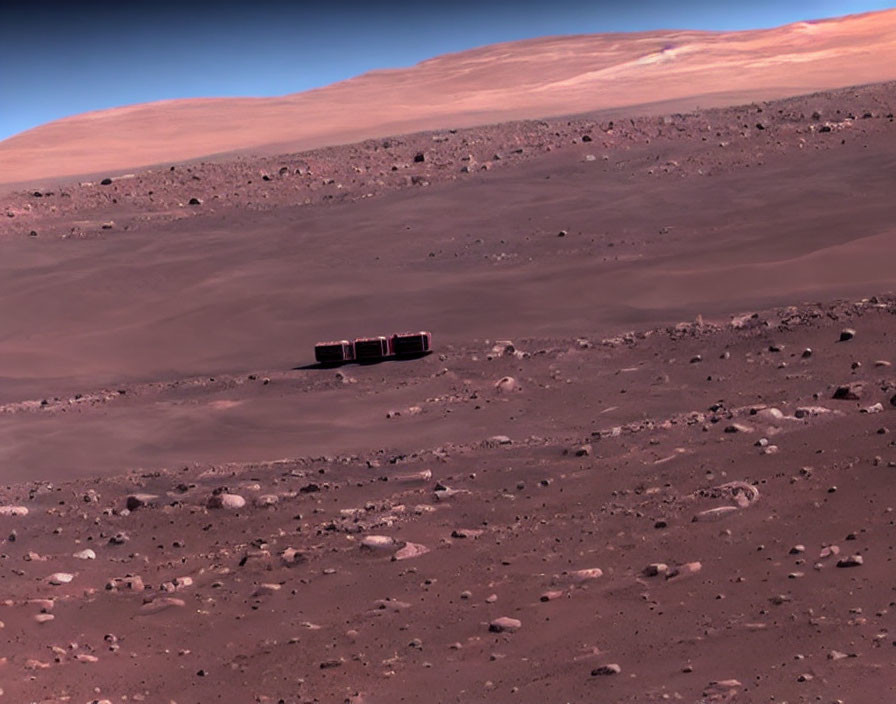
{"x":363,"y":363}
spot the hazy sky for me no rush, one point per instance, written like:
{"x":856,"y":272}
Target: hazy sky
{"x":59,"y":59}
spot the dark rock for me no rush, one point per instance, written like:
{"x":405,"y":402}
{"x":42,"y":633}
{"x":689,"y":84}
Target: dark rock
{"x":851,"y":561}
{"x":848,"y":392}
{"x":603,"y":670}
{"x":419,"y":158}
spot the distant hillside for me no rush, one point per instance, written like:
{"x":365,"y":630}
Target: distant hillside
{"x":672,"y":70}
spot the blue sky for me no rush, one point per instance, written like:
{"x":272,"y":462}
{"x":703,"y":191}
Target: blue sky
{"x":59,"y":59}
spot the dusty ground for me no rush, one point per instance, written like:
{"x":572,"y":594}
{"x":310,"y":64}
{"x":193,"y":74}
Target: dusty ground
{"x":168,"y":360}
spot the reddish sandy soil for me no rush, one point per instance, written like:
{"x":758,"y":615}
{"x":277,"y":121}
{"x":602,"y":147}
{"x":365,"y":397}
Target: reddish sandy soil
{"x":649,"y":72}
{"x":165,"y":355}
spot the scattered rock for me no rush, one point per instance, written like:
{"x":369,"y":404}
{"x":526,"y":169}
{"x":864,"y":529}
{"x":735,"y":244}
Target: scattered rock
{"x":162,"y":603}
{"x":604,"y":670}
{"x":506,"y":384}
{"x":714,"y":514}
{"x":410,"y":551}
{"x":135,"y":501}
{"x":378,"y":542}
{"x":422,"y":476}
{"x":685,"y":570}
{"x":119,"y":538}
{"x":292,"y":557}
{"x":59,"y":578}
{"x":829,"y":551}
{"x":226,"y":501}
{"x":849,"y":392}
{"x":466,"y":533}
{"x":583,"y":451}
{"x":850,"y":561}
{"x":655,"y":569}
{"x":586,"y":575}
{"x":500,"y":625}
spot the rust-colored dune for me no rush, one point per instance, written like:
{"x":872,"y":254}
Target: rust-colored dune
{"x":669,"y":70}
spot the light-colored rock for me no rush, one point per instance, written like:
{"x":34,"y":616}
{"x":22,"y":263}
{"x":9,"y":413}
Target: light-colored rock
{"x":292,"y":557}
{"x":266,"y":500}
{"x":131,"y":582}
{"x":266,"y":589}
{"x":417,"y":477}
{"x":162,"y":603}
{"x":59,"y":578}
{"x":226,"y":501}
{"x":506,"y":384}
{"x":874,"y":408}
{"x":685,"y":570}
{"x":378,"y":542}
{"x":410,"y":551}
{"x":43,"y":618}
{"x":86,"y":554}
{"x":714,"y":514}
{"x":773,"y":416}
{"x":807,"y":411}
{"x":13,"y":511}
{"x":586,"y":575}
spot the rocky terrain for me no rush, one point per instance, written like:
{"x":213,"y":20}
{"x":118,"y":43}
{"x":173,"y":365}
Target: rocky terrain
{"x":697,"y":513}
{"x":705,"y":143}
{"x":650,"y":459}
